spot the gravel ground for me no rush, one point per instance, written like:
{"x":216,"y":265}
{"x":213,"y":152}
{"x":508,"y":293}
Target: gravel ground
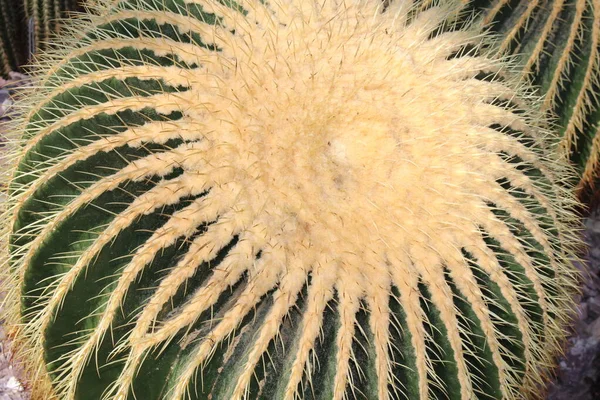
{"x":578,"y":372}
{"x":11,"y":386}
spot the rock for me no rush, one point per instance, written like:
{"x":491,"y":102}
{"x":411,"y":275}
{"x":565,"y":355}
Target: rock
{"x":594,"y":306}
{"x":14,"y":385}
{"x":5,"y":102}
{"x":577,"y":371}
{"x":593,"y":224}
{"x":583,"y":311}
{"x":8,"y":87}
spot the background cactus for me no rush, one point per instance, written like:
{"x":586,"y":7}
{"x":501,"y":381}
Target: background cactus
{"x":26,"y":27}
{"x":559,"y":45}
{"x":285,"y":199}
{"x":46,"y":19}
{"x":13,"y":36}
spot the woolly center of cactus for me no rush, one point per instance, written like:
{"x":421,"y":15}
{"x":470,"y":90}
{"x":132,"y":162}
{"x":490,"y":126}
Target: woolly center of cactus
{"x":341,"y":140}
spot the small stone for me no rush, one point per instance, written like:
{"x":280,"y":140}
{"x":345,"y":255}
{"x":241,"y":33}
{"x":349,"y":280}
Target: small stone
{"x":580,"y":324}
{"x":594,"y":328}
{"x":595,"y":225}
{"x":589,"y":289}
{"x":5,"y":102}
{"x":594,"y":306}
{"x":582,"y":310}
{"x":14,"y":384}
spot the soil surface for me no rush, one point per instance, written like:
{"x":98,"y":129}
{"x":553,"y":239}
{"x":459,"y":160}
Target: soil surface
{"x":578,"y":372}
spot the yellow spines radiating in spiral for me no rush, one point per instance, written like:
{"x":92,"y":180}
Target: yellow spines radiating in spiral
{"x":285,"y":199}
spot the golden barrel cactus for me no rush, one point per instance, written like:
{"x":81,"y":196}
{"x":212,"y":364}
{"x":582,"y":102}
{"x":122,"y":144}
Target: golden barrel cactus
{"x":285,"y":199}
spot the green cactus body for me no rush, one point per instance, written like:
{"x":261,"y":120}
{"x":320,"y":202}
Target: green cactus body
{"x":559,"y":45}
{"x":281,"y":200}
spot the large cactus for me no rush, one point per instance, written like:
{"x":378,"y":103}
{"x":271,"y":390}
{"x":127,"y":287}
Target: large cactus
{"x":285,"y":199}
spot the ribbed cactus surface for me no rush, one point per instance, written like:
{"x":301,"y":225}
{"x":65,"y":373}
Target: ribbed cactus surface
{"x":558,"y":42}
{"x":285,"y":199}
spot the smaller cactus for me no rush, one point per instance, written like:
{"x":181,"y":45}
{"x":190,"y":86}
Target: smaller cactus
{"x":45,"y":16}
{"x":27,"y":26}
{"x":12,"y":36}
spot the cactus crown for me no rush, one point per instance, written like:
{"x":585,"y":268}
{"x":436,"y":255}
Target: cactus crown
{"x":285,"y":199}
